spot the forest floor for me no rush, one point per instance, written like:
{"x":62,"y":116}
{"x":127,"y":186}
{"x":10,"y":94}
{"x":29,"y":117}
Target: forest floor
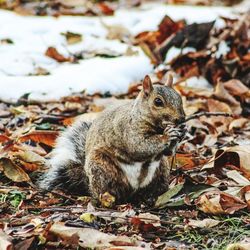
{"x":207,"y":205}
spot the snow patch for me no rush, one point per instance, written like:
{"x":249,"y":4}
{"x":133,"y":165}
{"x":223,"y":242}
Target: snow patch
{"x":198,"y":82}
{"x":175,"y":52}
{"x":223,"y":49}
{"x":33,"y":35}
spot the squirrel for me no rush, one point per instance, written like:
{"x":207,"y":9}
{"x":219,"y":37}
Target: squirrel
{"x":124,"y":151}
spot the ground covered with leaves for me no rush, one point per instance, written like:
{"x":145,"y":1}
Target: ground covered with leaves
{"x":207,"y":205}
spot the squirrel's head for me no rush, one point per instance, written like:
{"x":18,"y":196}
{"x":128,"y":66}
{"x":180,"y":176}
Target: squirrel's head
{"x":161,"y":102}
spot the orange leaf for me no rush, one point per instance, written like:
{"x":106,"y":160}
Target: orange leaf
{"x":29,"y":166}
{"x":54,"y":54}
{"x":4,"y":138}
{"x":185,"y":161}
{"x":105,"y":9}
{"x":46,"y":137}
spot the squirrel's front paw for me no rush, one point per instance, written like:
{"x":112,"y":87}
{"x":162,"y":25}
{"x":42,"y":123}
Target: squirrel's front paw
{"x":175,"y":133}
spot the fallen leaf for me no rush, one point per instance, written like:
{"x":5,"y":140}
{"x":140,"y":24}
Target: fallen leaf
{"x":117,"y":31}
{"x":4,"y":138}
{"x":193,"y":35}
{"x":27,"y":166}
{"x":40,"y":136}
{"x":164,"y":198}
{"x":30,"y":156}
{"x":218,"y":106}
{"x":39,"y":71}
{"x":72,"y":38}
{"x":205,"y":223}
{"x":87,"y":217}
{"x":217,"y":202}
{"x":238,"y":178}
{"x":5,"y":241}
{"x":222,"y":94}
{"x":54,"y":54}
{"x":24,"y":244}
{"x":88,"y":237}
{"x":107,"y":200}
{"x":238,"y":123}
{"x":235,"y":87}
{"x":150,"y":218}
{"x":185,"y":161}
{"x":6,"y":40}
{"x":105,"y":8}
{"x":145,"y":222}
{"x":238,"y":156}
{"x":12,"y":171}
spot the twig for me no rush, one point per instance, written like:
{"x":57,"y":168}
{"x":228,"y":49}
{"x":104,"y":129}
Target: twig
{"x":59,"y":194}
{"x":194,"y":116}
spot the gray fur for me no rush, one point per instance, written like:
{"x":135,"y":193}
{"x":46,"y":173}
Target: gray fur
{"x":132,"y":133}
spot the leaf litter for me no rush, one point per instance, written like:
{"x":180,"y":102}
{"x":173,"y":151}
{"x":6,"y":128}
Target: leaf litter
{"x":207,"y":205}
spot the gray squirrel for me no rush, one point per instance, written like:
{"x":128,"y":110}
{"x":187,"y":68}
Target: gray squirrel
{"x":124,"y":150}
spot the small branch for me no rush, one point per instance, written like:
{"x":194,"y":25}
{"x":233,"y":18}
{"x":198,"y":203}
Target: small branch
{"x":194,"y":116}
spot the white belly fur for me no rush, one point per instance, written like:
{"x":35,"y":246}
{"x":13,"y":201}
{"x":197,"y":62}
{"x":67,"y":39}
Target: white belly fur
{"x":133,"y":173}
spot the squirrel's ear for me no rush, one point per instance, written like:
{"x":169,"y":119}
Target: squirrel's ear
{"x":169,"y":81}
{"x":147,"y":85}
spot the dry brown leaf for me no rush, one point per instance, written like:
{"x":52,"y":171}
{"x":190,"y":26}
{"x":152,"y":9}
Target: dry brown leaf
{"x":238,"y":156}
{"x":54,"y":54}
{"x":205,"y":223}
{"x":5,"y":241}
{"x":29,"y":166}
{"x":25,"y":244}
{"x":241,"y":154}
{"x":245,"y":192}
{"x":72,"y":38}
{"x":217,"y":202}
{"x":118,"y":32}
{"x":88,"y":237}
{"x":12,"y":171}
{"x":25,"y":147}
{"x":222,"y":94}
{"x":194,"y":92}
{"x":235,"y":87}
{"x":105,"y":8}
{"x":238,"y":123}
{"x":185,"y":161}
{"x":238,"y":178}
{"x":30,"y":156}
{"x":150,"y":218}
{"x":41,"y":136}
{"x":4,"y":138}
{"x":218,"y":106}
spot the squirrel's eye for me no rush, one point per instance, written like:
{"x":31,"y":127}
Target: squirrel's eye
{"x":158,"y":102}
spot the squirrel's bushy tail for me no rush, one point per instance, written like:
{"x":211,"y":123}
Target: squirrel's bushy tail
{"x":66,"y":167}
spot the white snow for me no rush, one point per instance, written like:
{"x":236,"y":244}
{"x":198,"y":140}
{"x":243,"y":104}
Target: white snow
{"x":33,"y":35}
{"x":198,"y":82}
{"x":223,"y":49}
{"x":174,"y":52}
